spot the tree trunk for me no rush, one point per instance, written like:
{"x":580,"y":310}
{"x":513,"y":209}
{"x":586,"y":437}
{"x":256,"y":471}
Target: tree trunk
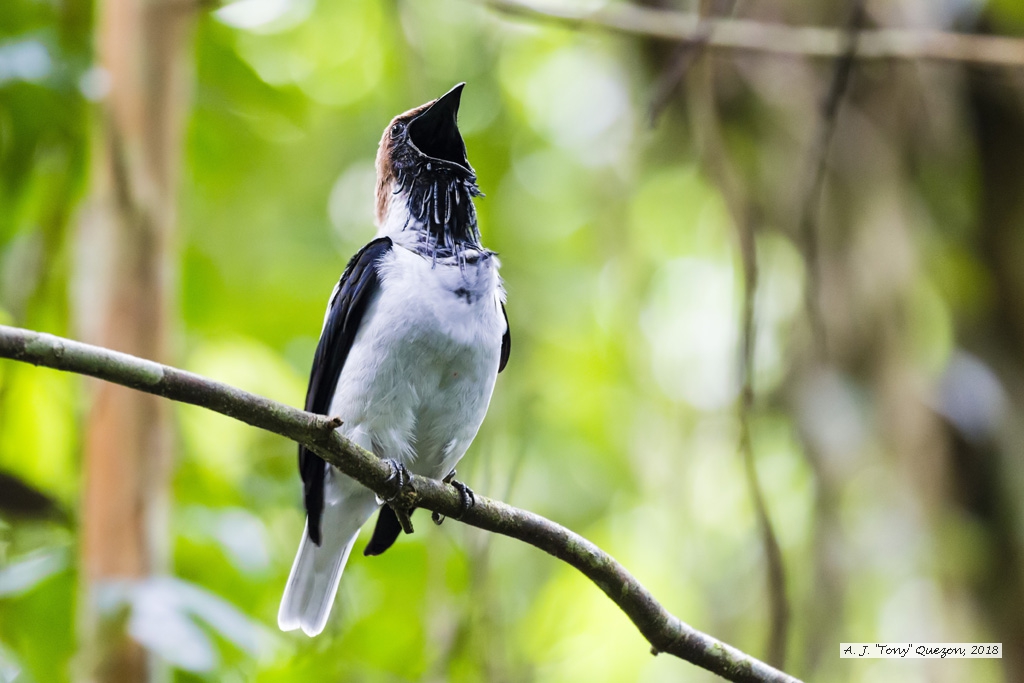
{"x":126,"y":272}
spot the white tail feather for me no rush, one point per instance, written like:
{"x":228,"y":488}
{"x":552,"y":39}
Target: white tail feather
{"x":313,"y":582}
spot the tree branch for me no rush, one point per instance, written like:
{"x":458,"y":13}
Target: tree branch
{"x":745,"y":215}
{"x":815,"y":183}
{"x":798,"y":41}
{"x":665,"y":632}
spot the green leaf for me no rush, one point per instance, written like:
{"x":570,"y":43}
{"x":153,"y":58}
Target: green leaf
{"x":166,"y":616}
{"x":28,"y":572}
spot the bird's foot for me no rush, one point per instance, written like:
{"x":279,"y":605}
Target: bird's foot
{"x":467,"y":498}
{"x":399,"y":479}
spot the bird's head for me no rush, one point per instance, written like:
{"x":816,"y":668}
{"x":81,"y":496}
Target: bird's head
{"x":424,"y":180}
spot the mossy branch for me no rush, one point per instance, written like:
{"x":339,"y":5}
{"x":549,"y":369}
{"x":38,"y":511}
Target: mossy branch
{"x":665,"y":632}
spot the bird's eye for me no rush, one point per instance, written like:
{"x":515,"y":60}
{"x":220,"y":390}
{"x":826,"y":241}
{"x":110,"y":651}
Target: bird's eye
{"x":398,"y":128}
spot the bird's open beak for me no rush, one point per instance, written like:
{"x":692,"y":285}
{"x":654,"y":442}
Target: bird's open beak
{"x":435,"y":132}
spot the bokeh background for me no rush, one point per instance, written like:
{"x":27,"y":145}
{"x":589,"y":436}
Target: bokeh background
{"x":790,"y":401}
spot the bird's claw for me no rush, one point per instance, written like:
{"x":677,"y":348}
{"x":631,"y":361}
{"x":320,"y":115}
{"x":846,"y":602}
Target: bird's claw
{"x":467,"y":499}
{"x":398,"y":478}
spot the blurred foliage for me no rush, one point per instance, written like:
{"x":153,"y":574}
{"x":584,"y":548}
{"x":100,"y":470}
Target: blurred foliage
{"x":617,"y":413}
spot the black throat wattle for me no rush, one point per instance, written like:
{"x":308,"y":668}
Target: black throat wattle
{"x":439,"y":198}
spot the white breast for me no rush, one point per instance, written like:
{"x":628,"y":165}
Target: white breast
{"x":419,"y":377}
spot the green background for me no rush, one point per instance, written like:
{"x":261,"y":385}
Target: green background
{"x":618,"y":414}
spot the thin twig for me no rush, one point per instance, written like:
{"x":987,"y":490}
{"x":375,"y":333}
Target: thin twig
{"x":664,"y":631}
{"x":715,"y":158}
{"x":779,"y":602}
{"x":684,"y":56}
{"x":811,"y":207}
{"x":779,"y":39}
{"x":668,"y":82}
{"x":778,"y":631}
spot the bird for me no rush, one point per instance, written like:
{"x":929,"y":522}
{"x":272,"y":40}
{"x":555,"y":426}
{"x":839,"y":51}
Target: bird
{"x":414,"y":336}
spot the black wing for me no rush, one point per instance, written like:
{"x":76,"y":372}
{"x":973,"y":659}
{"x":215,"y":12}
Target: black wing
{"x":345,"y":313}
{"x":506,"y":342}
